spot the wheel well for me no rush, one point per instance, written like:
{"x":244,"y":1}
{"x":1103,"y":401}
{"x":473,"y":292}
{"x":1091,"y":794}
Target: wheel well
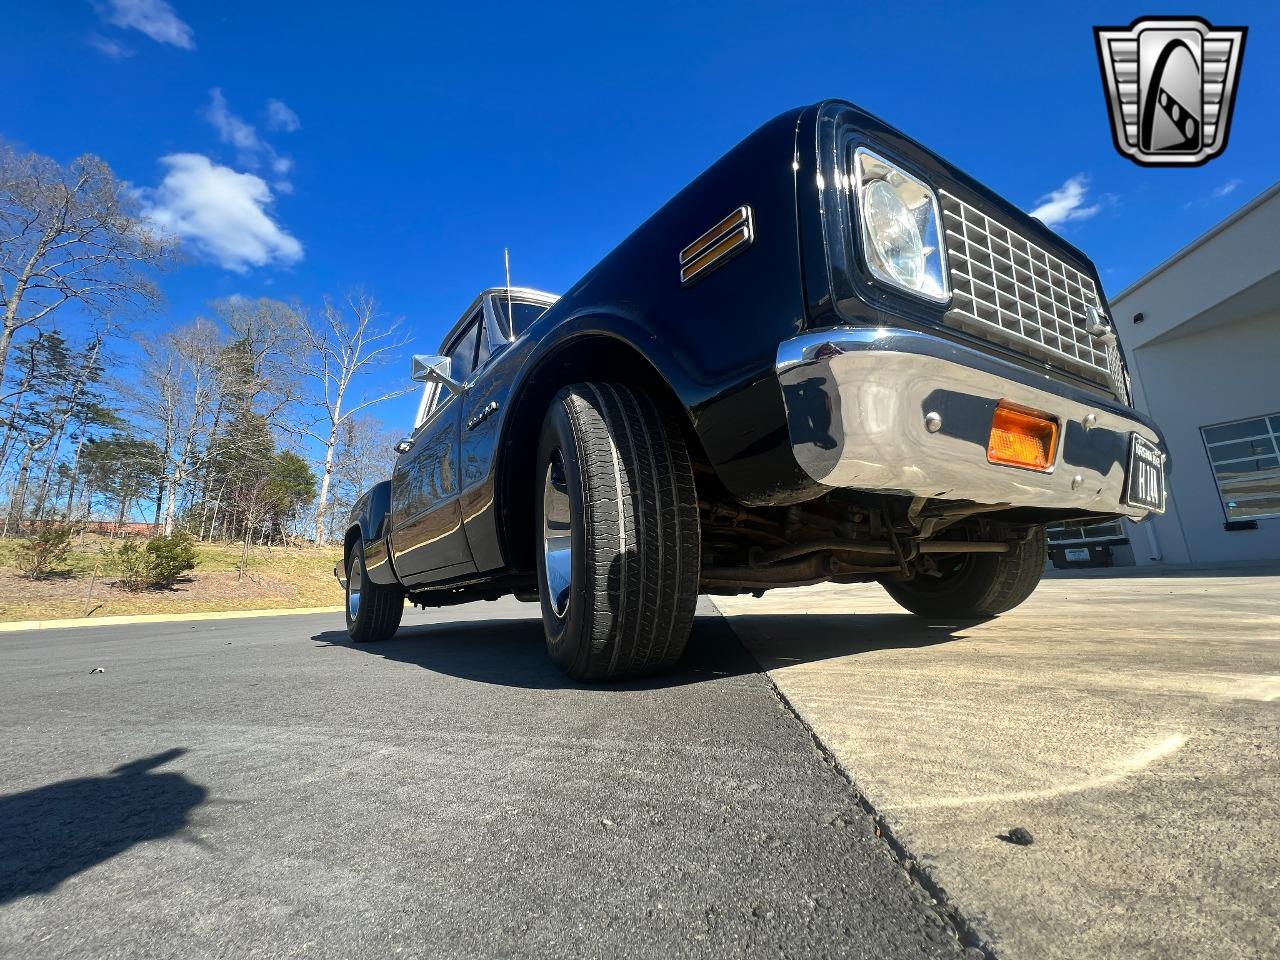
{"x":352,"y":536}
{"x":589,"y":358}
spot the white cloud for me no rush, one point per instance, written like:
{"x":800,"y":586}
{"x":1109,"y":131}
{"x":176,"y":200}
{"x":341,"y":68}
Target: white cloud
{"x":155,"y":18}
{"x":108,"y":47}
{"x":1067,"y":203}
{"x":280,"y":117}
{"x":231,"y":129}
{"x":1219,"y":192}
{"x":1224,"y":189}
{"x":251,"y":150}
{"x":222,"y":214}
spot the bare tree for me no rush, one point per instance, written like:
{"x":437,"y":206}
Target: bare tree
{"x":347,"y":341}
{"x":365,"y":454}
{"x":174,"y":396}
{"x":69,"y":234}
{"x":264,"y":337}
{"x":258,"y":372}
{"x":67,"y":374}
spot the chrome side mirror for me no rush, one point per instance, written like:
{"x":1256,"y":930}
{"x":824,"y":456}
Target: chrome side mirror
{"x":433,"y":369}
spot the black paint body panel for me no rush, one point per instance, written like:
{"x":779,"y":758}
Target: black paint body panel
{"x":368,"y":519}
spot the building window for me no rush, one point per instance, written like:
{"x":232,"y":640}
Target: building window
{"x":1070,"y":533}
{"x":1245,"y":455}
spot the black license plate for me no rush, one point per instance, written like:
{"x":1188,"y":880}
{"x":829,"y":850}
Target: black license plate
{"x":1146,"y":475}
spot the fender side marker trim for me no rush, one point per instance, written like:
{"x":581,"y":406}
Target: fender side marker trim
{"x":718,"y":245}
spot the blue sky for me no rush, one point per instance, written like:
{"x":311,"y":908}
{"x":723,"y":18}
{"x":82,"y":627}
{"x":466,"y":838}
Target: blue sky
{"x":311,"y":147}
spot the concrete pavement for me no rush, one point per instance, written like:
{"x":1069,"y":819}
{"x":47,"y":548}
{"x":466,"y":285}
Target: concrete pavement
{"x":1131,"y":725}
{"x":261,"y":788}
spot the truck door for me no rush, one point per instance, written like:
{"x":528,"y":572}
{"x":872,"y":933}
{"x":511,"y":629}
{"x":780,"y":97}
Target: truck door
{"x":427,"y":539}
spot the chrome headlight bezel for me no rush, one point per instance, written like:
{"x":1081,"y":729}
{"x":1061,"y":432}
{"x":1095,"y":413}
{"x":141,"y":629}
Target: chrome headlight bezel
{"x":921,"y":201}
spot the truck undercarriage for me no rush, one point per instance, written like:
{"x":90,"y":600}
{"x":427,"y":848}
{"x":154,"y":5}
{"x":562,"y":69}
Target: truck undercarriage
{"x":843,"y":537}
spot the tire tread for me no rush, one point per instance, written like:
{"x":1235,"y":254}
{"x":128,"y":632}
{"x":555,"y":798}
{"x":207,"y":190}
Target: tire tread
{"x":381,"y":608}
{"x":643,"y":537}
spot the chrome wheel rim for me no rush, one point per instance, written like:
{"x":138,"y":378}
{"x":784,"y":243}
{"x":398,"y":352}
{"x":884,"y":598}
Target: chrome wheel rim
{"x":355,"y":583}
{"x":557,"y":535}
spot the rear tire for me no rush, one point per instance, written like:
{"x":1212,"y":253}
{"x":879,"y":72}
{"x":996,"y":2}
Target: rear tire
{"x":619,"y":545}
{"x":373,"y":609}
{"x":976,"y":586}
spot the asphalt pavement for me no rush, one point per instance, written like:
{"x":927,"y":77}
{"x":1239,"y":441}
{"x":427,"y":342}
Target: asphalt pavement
{"x":262,"y":788}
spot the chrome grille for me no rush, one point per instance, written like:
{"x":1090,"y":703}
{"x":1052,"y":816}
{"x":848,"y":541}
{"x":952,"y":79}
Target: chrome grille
{"x":1010,"y":291}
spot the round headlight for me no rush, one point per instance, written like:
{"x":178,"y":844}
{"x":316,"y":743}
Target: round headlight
{"x":894,"y":234}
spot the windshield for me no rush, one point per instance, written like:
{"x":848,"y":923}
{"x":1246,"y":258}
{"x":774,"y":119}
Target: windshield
{"x":525,"y":313}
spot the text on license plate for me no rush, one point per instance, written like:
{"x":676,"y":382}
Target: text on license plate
{"x":1146,"y":475}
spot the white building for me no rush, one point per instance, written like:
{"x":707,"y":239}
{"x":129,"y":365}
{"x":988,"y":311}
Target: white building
{"x":1202,"y":334}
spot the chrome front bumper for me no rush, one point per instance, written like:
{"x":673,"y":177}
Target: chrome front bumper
{"x":897,"y":411}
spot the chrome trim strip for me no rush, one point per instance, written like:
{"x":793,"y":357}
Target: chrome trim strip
{"x":858,"y":402}
{"x":736,"y":219}
{"x":490,"y":409}
{"x":517,"y":293}
{"x":734,"y":233}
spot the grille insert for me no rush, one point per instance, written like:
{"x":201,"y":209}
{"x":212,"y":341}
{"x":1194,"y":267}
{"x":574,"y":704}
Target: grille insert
{"x":1010,"y":291}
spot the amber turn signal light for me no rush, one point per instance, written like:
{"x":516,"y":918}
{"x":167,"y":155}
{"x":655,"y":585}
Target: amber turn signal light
{"x":1020,"y":438}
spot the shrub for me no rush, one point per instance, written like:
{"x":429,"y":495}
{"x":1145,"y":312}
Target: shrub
{"x":42,"y":553}
{"x":157,"y":563}
{"x":132,"y":566}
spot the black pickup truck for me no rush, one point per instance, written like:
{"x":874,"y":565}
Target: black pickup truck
{"x":832,"y":357}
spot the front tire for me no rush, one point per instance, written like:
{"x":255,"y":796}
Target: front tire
{"x":975,"y":586}
{"x":619,"y":545}
{"x":373,"y":609}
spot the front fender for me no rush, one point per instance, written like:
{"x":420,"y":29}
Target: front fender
{"x":726,"y":389}
{"x":630,"y":326}
{"x":368,"y":521}
{"x":713,"y":342}
{"x":497,"y":420}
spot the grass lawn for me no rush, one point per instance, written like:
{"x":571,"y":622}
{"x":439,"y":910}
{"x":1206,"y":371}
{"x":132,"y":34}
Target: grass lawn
{"x":277,"y":577}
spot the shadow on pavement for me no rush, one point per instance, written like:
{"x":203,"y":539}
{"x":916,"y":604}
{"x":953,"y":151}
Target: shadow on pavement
{"x":513,"y":653}
{"x":786,"y":639}
{"x":53,"y":832}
